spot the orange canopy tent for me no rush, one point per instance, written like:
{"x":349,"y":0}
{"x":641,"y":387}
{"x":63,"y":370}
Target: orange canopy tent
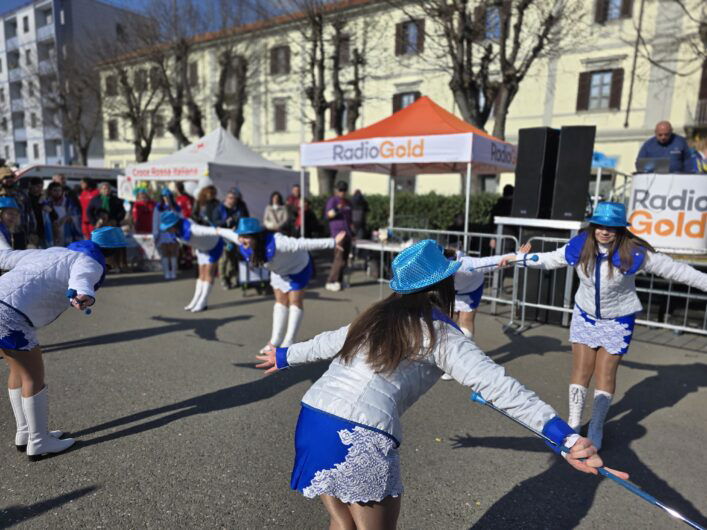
{"x":421,"y":138}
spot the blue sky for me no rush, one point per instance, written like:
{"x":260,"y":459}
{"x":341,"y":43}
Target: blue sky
{"x":136,"y":5}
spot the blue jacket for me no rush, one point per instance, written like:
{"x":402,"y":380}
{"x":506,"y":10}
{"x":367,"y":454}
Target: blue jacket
{"x":676,"y":150}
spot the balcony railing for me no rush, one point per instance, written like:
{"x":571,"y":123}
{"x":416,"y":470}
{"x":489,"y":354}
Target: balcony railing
{"x":11,"y":43}
{"x":45,"y":32}
{"x":701,"y":113}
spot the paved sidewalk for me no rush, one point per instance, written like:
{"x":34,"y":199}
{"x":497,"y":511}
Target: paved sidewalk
{"x":177,"y":429}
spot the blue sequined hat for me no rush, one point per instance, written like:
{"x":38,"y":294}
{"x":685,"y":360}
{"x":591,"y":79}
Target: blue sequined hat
{"x":108,"y":237}
{"x":248,"y":225}
{"x":166,"y":192}
{"x":609,"y":214}
{"x":168,"y":219}
{"x":420,"y":266}
{"x":8,"y":202}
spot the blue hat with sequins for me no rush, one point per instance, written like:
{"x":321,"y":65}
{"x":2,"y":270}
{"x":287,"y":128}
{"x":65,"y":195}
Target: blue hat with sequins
{"x":108,"y":237}
{"x":8,"y":202}
{"x":248,"y":225}
{"x":420,"y":266}
{"x":609,"y":214}
{"x":168,"y":219}
{"x":166,"y":192}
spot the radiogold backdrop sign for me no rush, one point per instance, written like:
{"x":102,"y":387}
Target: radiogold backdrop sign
{"x":670,"y":211}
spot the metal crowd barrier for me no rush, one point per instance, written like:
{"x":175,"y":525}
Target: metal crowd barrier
{"x":667,"y":304}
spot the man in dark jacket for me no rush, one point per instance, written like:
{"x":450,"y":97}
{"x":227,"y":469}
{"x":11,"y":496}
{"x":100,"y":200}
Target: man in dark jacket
{"x":666,"y":144}
{"x":105,"y":200}
{"x":232,"y":209}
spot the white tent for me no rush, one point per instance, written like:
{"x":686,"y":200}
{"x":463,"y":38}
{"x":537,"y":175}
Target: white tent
{"x":219,"y":158}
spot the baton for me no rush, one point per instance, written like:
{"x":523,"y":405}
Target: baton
{"x":71,"y":294}
{"x":534,"y":257}
{"x":476,"y":397}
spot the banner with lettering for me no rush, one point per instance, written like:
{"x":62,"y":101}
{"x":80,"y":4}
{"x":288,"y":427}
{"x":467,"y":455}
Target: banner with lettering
{"x":670,"y":211}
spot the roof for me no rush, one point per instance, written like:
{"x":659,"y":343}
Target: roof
{"x":217,"y":147}
{"x":422,"y":118}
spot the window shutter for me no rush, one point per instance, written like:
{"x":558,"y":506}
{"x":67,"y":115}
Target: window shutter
{"x":397,"y":102}
{"x":617,"y":83}
{"x":602,"y":11}
{"x":703,"y":81}
{"x":399,"y":39}
{"x":287,"y":60}
{"x":420,"y":35}
{"x":626,"y":8}
{"x":585,"y":80}
{"x":273,"y":61}
{"x":478,"y":23}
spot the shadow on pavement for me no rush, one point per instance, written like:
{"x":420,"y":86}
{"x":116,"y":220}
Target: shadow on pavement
{"x":224,"y":399}
{"x":13,"y":515}
{"x":519,"y":346}
{"x":560,"y":497}
{"x":205,"y":328}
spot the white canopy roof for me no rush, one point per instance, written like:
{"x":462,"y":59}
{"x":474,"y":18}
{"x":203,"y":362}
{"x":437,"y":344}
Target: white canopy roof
{"x":221,"y":159}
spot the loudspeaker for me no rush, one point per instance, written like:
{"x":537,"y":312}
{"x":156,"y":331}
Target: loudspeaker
{"x":574,"y":167}
{"x":535,"y":172}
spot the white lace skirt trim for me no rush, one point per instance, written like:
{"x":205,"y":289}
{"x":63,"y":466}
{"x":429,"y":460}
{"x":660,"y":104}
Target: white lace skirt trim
{"x":611,"y":334}
{"x":370,"y":472}
{"x":15,"y":332}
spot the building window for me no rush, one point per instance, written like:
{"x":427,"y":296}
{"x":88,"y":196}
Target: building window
{"x":0,"y":65}
{"x":345,"y":50}
{"x":33,"y":120}
{"x":410,"y":37}
{"x":62,"y":20}
{"x":402,"y":100}
{"x":280,"y":60}
{"x":120,"y":32}
{"x":3,"y":125}
{"x":280,"y":112}
{"x":113,"y":130}
{"x":492,"y":27}
{"x":30,"y":89}
{"x":193,"y":74}
{"x":158,"y":126}
{"x":600,"y":89}
{"x":155,"y":78}
{"x":111,"y":86}
{"x":35,"y":151}
{"x":140,"y":80}
{"x":607,"y":10}
{"x":2,"y":95}
{"x":28,"y":57}
{"x":7,"y":150}
{"x":25,"y":24}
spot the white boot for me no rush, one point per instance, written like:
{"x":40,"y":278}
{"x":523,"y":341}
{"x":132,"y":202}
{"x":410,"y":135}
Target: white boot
{"x":577,"y":396}
{"x":602,"y":401}
{"x":279,"y":323}
{"x":22,"y":434}
{"x":36,"y":409}
{"x":165,"y":267}
{"x":197,"y":294}
{"x":201,"y":303}
{"x":293,"y":323}
{"x":173,"y":267}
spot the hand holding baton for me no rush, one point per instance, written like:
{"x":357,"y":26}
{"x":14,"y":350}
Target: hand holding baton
{"x":533,"y":258}
{"x":71,"y":295}
{"x":476,"y":397}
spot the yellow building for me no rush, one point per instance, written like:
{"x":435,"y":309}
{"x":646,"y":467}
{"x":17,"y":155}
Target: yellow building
{"x":590,"y":83}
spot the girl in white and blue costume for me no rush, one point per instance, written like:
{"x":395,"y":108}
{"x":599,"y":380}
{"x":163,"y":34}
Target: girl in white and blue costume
{"x":208,"y":246}
{"x":290,"y":266}
{"x":40,"y":285}
{"x":607,"y":258}
{"x":349,"y":428}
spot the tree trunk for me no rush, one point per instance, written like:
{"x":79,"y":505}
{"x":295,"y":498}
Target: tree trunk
{"x":500,"y":113}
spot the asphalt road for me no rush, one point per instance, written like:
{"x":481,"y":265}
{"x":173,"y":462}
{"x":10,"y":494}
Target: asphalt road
{"x":177,"y":429}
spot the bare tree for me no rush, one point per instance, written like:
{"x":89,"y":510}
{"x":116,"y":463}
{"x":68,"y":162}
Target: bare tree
{"x":235,"y":54}
{"x":489,"y":46}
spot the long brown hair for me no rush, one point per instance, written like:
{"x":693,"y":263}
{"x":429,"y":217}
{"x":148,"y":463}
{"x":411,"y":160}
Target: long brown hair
{"x":625,"y":243}
{"x":391,"y":330}
{"x":202,"y":199}
{"x":257,"y":259}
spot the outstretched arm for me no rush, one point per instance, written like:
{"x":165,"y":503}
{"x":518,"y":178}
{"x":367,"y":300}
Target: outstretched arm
{"x":294,"y":244}
{"x":544,"y":260}
{"x":228,"y":234}
{"x":662,"y":265}
{"x":324,"y":346}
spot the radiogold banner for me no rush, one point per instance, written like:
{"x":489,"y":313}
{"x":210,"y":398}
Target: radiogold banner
{"x":670,"y":211}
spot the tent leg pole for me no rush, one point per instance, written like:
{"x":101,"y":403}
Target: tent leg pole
{"x":302,"y":196}
{"x":596,"y":190}
{"x":466,"y":208}
{"x":392,"y":199}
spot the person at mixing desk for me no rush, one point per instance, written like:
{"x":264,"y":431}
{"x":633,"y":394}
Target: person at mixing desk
{"x":666,"y":145}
